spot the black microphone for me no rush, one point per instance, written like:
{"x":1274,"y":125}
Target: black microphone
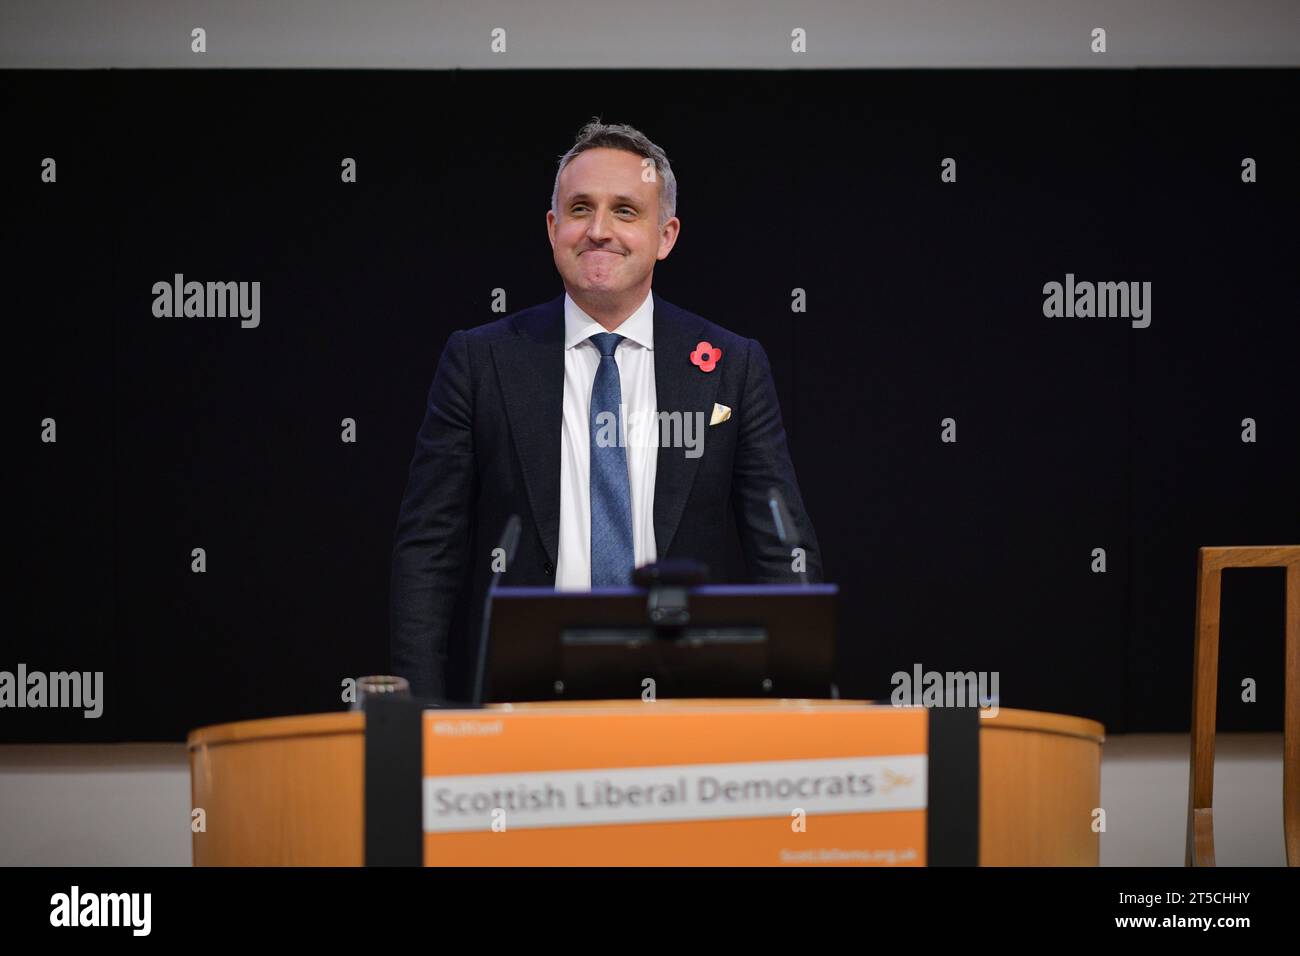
{"x":508,"y":545}
{"x":785,"y":531}
{"x":784,"y":524}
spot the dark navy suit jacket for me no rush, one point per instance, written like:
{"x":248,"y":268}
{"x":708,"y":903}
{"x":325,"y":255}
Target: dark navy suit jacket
{"x":489,"y":447}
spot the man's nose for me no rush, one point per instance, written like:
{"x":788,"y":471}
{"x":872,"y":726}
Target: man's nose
{"x":598,"y":229}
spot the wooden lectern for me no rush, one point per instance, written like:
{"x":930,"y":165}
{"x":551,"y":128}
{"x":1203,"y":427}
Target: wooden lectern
{"x":289,"y":791}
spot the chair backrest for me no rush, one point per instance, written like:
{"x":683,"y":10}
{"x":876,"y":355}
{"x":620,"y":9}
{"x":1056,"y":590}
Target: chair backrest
{"x":1205,"y":684}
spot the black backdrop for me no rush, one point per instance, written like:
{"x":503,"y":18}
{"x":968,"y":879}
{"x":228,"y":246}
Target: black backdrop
{"x":924,"y":302}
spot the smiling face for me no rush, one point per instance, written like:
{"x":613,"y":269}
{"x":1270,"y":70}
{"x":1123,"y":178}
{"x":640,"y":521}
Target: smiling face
{"x":606,"y":238}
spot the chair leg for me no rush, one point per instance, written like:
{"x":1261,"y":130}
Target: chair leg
{"x":1205,"y":684}
{"x":1291,"y":724}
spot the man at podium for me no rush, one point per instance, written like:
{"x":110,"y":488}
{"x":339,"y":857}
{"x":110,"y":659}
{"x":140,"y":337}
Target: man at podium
{"x":618,"y":426}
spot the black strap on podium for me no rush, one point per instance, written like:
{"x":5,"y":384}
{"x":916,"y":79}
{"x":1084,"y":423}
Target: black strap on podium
{"x":394,"y":781}
{"x":952,"y":818}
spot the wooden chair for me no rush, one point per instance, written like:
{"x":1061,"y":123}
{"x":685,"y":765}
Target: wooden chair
{"x":1205,"y":684}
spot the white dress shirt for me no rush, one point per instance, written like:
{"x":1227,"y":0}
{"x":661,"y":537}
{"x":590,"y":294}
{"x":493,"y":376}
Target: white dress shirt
{"x":636,"y":372}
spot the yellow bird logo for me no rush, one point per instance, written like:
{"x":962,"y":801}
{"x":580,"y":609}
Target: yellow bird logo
{"x":893,"y":780}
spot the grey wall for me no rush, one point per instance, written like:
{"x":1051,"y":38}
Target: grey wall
{"x":95,"y":805}
{"x":1144,"y":793}
{"x":406,"y":34}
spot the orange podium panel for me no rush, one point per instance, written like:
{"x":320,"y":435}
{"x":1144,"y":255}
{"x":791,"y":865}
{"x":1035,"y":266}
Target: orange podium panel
{"x":676,"y":783}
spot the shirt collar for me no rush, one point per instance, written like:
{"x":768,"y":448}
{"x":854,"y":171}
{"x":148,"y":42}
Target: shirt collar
{"x":639,"y":327}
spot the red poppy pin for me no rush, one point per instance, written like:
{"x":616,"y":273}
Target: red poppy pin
{"x":705,"y":356}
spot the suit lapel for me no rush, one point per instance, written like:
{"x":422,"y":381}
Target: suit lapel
{"x":530,"y":374}
{"x":679,"y":387}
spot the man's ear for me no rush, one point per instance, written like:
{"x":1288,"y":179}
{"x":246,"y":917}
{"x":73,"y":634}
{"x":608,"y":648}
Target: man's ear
{"x":550,"y":227}
{"x":668,"y":237}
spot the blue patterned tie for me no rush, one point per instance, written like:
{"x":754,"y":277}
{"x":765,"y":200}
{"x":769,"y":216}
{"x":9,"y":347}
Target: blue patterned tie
{"x":611,"y":500}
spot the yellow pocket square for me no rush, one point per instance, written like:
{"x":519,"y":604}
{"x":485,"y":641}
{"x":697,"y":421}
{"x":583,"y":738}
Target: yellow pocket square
{"x":720,"y":413}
